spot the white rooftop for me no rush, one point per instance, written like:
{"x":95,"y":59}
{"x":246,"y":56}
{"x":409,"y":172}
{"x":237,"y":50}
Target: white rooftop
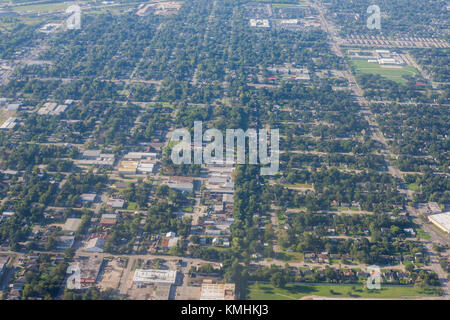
{"x":155,"y":276}
{"x":443,"y":219}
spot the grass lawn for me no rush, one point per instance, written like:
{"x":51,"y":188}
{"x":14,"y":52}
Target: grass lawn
{"x":422,"y":234}
{"x":290,"y":256}
{"x":47,"y":7}
{"x":132,"y":206}
{"x":394,"y":73}
{"x":264,"y":291}
{"x":413,"y":187}
{"x":299,"y":185}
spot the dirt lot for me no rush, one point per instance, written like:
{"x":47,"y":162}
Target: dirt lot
{"x":188,"y":293}
{"x":111,"y":275}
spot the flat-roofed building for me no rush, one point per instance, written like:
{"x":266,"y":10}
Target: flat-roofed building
{"x":145,"y":168}
{"x":65,"y":242}
{"x":10,"y":123}
{"x":260,"y":23}
{"x":72,"y":224}
{"x":91,"y":154}
{"x":227,"y":198}
{"x":95,"y":157}
{"x":152,"y":276}
{"x":182,"y":186}
{"x":95,"y":245}
{"x":217,"y":291}
{"x":47,"y":108}
{"x":115,"y":203}
{"x":441,"y":220}
{"x":140,"y":155}
{"x":90,"y":268}
{"x":108,"y":219}
{"x":58,"y":110}
{"x":13,"y":106}
{"x":88,"y":197}
{"x":128,"y":167}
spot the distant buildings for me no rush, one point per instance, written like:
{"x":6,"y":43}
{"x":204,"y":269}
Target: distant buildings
{"x":385,"y":57}
{"x":96,"y":157}
{"x":381,"y":57}
{"x":52,"y":108}
{"x":140,"y":156}
{"x":289,"y":72}
{"x":137,"y":163}
{"x":260,"y":23}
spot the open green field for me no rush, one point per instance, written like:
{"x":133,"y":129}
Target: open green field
{"x":260,"y":291}
{"x":413,"y":186}
{"x":394,"y":73}
{"x":422,"y":234}
{"x":290,"y":256}
{"x":46,"y":7}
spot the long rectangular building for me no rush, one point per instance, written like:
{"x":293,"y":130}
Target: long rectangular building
{"x":152,"y":276}
{"x":441,"y":220}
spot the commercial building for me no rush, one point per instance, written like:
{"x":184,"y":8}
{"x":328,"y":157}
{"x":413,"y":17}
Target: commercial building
{"x":139,"y":155}
{"x":72,"y":224}
{"x":260,"y":23}
{"x":91,"y":154}
{"x":13,"y":107}
{"x":90,"y":269}
{"x":152,"y":276}
{"x":441,"y":220}
{"x":217,"y":291}
{"x":145,"y":168}
{"x":115,"y":203}
{"x":385,"y":57}
{"x":65,"y":242}
{"x":108,"y":219}
{"x":10,"y":123}
{"x":128,"y":167}
{"x":52,"y":108}
{"x":182,"y":186}
{"x":95,"y":245}
{"x":88,"y":197}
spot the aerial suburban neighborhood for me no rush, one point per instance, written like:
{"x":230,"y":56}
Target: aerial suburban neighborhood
{"x":95,"y":206}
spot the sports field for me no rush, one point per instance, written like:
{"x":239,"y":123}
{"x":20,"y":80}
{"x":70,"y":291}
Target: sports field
{"x":394,"y":73}
{"x":260,"y":291}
